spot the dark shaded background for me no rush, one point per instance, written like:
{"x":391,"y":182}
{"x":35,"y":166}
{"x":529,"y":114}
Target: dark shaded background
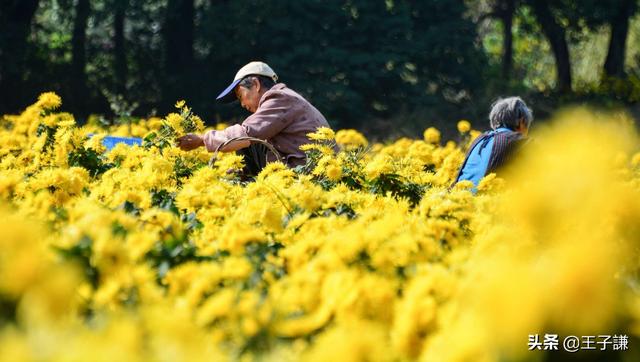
{"x":388,"y":68}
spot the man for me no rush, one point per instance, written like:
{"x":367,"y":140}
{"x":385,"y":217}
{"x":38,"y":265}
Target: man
{"x":510,"y":119}
{"x":280,"y":116}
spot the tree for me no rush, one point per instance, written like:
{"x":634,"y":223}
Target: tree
{"x":119,"y":50}
{"x":505,"y":11}
{"x":179,"y":35}
{"x":619,"y":23}
{"x":591,"y":15}
{"x":15,"y":22}
{"x":79,"y":59}
{"x":355,"y":61}
{"x":484,"y":14}
{"x":556,"y":35}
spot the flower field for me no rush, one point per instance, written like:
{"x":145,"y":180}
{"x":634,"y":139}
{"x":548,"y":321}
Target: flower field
{"x":146,"y":253}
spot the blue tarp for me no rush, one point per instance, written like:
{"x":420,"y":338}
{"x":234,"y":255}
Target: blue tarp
{"x":111,"y":141}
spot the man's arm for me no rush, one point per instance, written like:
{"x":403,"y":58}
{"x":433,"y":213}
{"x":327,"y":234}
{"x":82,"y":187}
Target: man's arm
{"x":213,"y":139}
{"x":271,"y":118}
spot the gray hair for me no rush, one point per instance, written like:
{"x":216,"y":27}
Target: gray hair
{"x":265,"y":82}
{"x":507,"y":112}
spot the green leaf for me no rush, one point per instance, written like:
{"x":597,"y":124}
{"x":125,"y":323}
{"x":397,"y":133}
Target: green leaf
{"x":150,"y":137}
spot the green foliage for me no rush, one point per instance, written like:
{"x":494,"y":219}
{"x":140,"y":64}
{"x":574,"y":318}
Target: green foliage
{"x":161,"y":139}
{"x":626,"y":90}
{"x":398,"y":187}
{"x":121,"y":108}
{"x":88,"y":158}
{"x":168,"y":132}
{"x":164,"y":200}
{"x":354,"y":178}
{"x":81,"y":254}
{"x":365,"y":64}
{"x":356,"y":60}
{"x":50,"y":136}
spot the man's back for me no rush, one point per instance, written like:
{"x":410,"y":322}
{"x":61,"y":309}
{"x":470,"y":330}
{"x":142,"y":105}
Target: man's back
{"x":489,"y":152}
{"x":284,"y":118}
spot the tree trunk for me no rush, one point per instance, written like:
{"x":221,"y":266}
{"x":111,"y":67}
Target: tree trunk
{"x":15,"y":22}
{"x":178,"y":35}
{"x":120,"y":54}
{"x":555,"y":33}
{"x":79,"y":59}
{"x":614,"y":64}
{"x":506,"y":10}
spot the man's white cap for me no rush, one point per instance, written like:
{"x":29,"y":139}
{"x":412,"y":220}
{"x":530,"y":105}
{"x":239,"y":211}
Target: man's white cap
{"x":253,"y":68}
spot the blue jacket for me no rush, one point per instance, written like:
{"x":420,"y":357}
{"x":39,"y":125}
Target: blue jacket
{"x":504,"y":143}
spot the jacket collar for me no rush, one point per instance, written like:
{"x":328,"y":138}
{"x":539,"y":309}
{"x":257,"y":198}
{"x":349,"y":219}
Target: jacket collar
{"x":277,"y":86}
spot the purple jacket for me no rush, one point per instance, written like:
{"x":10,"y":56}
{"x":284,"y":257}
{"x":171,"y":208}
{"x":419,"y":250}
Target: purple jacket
{"x":283,"y":119}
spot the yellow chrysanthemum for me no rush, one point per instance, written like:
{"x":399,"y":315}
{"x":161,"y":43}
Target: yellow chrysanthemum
{"x":350,"y":138}
{"x":49,"y":100}
{"x":174,"y":120}
{"x":173,"y":259}
{"x":322,"y":134}
{"x":432,"y":135}
{"x":464,"y":126}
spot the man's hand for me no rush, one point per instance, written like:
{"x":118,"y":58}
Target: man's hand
{"x":189,"y":142}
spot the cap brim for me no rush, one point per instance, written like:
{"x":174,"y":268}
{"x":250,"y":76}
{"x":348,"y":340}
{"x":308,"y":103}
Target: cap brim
{"x":228,"y":95}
